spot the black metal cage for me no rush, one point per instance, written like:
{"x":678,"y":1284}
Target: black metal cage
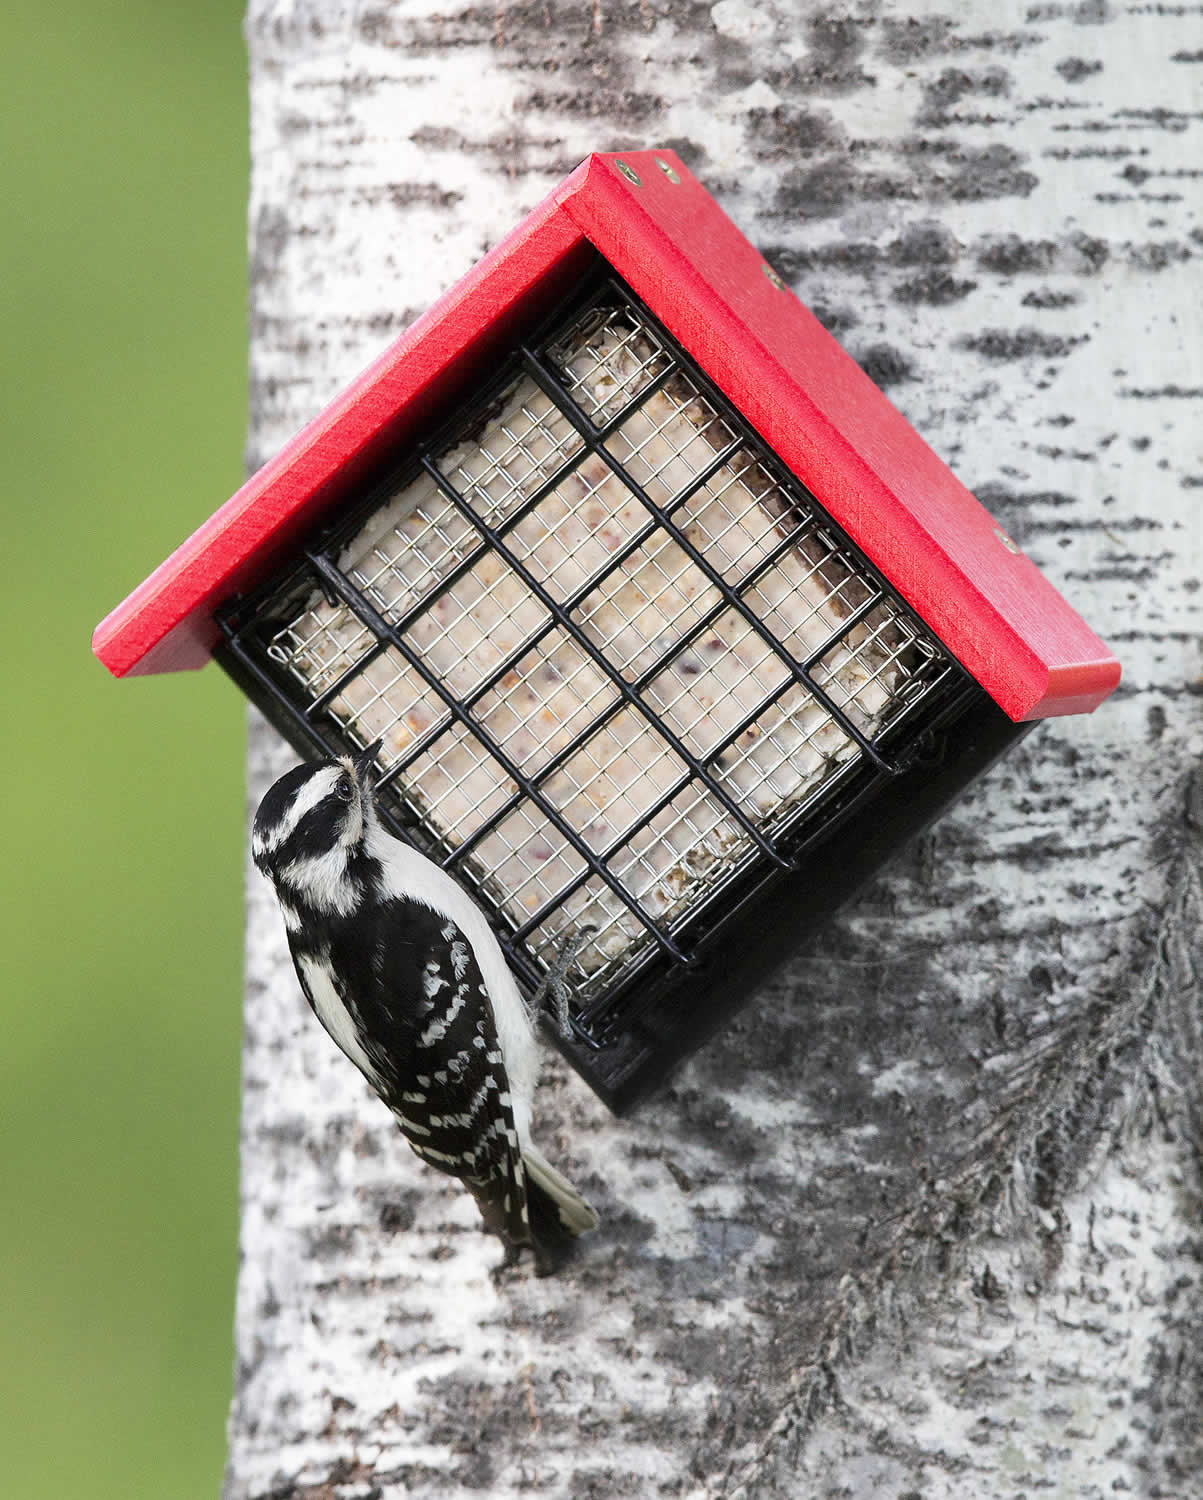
{"x":629,"y":680}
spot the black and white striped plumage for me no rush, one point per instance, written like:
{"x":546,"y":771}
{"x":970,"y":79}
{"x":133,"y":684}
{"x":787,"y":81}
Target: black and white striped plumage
{"x":403,"y":971}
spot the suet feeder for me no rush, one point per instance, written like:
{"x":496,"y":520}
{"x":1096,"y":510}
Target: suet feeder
{"x":673,"y":630}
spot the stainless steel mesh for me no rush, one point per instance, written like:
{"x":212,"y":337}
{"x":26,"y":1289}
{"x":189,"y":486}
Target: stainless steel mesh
{"x":692,"y":738}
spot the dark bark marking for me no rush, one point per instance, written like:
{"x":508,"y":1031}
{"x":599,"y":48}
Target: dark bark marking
{"x":955,"y":172}
{"x":886,"y":366}
{"x":937,"y":288}
{"x":1074,"y":69}
{"x":788,"y":131}
{"x":836,"y":320}
{"x":905,"y":40}
{"x":1047,"y":299}
{"x":925,"y":244}
{"x":602,"y":102}
{"x":955,"y":84}
{"x":1082,"y":13}
{"x":1021,"y":343}
{"x":1162,"y":392}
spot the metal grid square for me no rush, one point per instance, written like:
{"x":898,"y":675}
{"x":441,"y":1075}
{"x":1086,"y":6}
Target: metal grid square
{"x":408,"y":547}
{"x":739,"y":516}
{"x":876,"y":669}
{"x":523,"y":440}
{"x":703,"y":838}
{"x":389,"y":701}
{"x":618,"y":938}
{"x":454,"y":787}
{"x":702,"y":841}
{"x":545,"y":701}
{"x":807,"y":595}
{"x":320,"y":644}
{"x":639,"y":613}
{"x":606,"y":358}
{"x":615,"y":779}
{"x":711,"y":686}
{"x":527,"y":862}
{"x":418,"y":536}
{"x":474,"y":624}
{"x":786,"y":755}
{"x":574,"y":532}
{"x":669,"y":440}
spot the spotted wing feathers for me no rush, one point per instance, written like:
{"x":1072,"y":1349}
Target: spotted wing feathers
{"x":416,"y":994}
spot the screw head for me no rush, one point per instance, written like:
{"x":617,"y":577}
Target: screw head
{"x":669,"y":172}
{"x":628,"y":172}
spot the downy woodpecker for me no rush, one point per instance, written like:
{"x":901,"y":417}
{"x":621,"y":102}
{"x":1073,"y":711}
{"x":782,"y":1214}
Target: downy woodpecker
{"x":402,"y":969}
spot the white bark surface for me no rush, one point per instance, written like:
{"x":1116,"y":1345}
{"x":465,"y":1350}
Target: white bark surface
{"x":926,"y":1220}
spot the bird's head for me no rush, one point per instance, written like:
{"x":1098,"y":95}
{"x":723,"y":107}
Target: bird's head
{"x":312,"y":823}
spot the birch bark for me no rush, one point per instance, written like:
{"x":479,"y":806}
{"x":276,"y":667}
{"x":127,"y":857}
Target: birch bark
{"x":925,"y":1221}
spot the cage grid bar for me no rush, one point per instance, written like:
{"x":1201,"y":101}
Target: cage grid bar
{"x":445,"y":582}
{"x":860,"y":567}
{"x":345,"y":678}
{"x":598,"y":1021}
{"x":807,"y":826}
{"x":639,"y":683}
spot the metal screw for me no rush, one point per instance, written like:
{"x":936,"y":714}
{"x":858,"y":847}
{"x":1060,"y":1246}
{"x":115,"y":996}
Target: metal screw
{"x":774,"y":279}
{"x":668,"y":171}
{"x":1006,"y":540}
{"x":628,"y":172}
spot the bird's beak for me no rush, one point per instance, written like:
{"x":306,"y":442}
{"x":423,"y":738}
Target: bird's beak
{"x":363,"y":764}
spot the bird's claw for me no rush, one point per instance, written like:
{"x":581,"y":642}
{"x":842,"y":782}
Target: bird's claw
{"x":553,"y":982}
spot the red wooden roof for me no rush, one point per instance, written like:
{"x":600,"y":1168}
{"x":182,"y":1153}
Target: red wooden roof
{"x":669,"y":240}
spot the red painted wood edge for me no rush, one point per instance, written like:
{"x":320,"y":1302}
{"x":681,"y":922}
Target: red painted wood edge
{"x":167,"y":624}
{"x":809,"y":400}
{"x":844,"y":439}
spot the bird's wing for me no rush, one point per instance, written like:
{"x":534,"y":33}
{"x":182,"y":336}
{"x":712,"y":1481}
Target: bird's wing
{"x":416,"y":990}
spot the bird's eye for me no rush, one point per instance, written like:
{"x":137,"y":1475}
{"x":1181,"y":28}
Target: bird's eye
{"x":343,"y":789}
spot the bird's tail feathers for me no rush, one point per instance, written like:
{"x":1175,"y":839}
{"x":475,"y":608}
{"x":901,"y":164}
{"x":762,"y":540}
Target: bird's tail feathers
{"x":554,"y":1204}
{"x":538,"y":1208}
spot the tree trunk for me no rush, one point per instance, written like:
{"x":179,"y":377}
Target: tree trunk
{"x":925,"y":1220}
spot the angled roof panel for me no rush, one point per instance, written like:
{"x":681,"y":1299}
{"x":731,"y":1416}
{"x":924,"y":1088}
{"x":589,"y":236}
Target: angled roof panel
{"x":667,"y":238}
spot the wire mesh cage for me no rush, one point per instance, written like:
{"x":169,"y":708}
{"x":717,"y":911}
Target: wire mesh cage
{"x":627,"y":674}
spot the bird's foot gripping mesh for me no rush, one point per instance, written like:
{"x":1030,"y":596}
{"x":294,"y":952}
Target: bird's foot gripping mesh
{"x":621,"y":663}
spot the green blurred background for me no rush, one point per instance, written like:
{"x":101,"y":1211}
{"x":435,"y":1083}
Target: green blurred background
{"x":123,"y":285}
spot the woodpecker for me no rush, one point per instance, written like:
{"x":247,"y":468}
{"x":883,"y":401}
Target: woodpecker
{"x":401,"y":968}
